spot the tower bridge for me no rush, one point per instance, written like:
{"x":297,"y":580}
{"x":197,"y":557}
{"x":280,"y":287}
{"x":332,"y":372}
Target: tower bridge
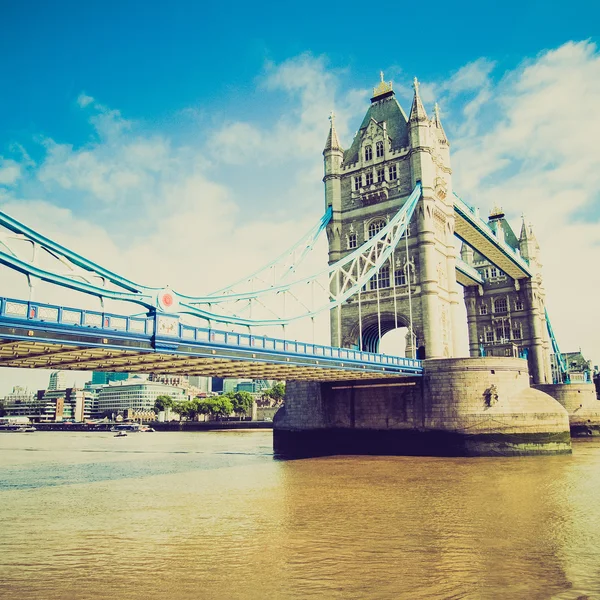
{"x":392,"y":221}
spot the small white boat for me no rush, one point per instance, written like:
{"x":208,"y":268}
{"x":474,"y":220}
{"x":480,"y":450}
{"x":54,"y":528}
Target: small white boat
{"x":121,"y":434}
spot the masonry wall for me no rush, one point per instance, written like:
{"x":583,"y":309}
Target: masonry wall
{"x":470,"y":406}
{"x":581,"y":403}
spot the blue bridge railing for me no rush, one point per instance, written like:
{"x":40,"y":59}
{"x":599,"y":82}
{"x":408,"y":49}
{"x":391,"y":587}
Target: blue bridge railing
{"x":166,"y":332}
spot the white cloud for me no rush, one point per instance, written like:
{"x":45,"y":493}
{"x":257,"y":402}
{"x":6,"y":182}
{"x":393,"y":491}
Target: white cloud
{"x":84,"y":100}
{"x":535,"y":152}
{"x":10,"y":171}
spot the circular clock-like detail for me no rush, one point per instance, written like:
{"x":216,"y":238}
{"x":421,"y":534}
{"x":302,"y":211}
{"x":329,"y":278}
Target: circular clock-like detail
{"x":167,"y":300}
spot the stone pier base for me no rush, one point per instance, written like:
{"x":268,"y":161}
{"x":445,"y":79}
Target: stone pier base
{"x":580,"y":402}
{"x":460,"y":407}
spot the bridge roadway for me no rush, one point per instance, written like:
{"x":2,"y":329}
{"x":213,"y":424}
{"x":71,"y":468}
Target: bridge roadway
{"x":44,"y":336}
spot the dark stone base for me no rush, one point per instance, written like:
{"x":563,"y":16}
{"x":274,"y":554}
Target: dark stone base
{"x":579,"y":431}
{"x":290,"y":444}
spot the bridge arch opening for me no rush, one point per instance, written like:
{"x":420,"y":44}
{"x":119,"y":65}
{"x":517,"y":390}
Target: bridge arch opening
{"x":385,"y":334}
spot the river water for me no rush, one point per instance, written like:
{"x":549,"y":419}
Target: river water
{"x":213,"y":515}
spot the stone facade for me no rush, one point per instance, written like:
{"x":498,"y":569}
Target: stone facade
{"x":365,"y":186}
{"x":506,"y":317}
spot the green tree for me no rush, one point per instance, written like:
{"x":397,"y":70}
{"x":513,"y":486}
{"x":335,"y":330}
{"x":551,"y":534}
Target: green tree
{"x":241,"y":402}
{"x":162,"y":403}
{"x":277,"y":392}
{"x":221,"y":406}
{"x":180,"y":408}
{"x":204,"y":406}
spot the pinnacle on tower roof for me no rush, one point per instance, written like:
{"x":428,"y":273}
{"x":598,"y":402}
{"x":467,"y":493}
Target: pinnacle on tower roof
{"x":333,"y":142}
{"x":438,"y":122}
{"x":382,"y":90}
{"x":496,"y":213}
{"x":523,"y":234}
{"x":417,"y":111}
{"x":526,"y":231}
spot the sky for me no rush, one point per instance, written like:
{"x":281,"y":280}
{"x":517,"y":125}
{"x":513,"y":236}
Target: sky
{"x":182,"y":144}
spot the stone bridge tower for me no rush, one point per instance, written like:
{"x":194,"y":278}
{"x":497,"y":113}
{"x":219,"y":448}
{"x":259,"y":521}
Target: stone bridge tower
{"x":366,"y":185}
{"x":506,"y":317}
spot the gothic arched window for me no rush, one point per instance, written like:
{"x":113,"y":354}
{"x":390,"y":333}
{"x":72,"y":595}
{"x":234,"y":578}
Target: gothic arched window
{"x":368,"y":153}
{"x":379,"y":149}
{"x":357,"y":183}
{"x":352,"y":242}
{"x":400,"y":277}
{"x":375,"y":227}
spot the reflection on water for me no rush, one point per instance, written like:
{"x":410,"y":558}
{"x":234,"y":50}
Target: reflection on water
{"x":212,"y":515}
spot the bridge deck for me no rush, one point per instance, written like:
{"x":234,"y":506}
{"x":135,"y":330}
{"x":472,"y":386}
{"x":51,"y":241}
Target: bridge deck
{"x":472,"y":230}
{"x":34,"y":335}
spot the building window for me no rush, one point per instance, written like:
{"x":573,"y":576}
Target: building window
{"x":379,"y":149}
{"x":400,"y":277}
{"x":357,"y":183}
{"x":500,"y":305}
{"x":483,"y":309}
{"x":489,"y":336}
{"x":369,"y":177}
{"x":382,"y":279}
{"x":393,"y":173}
{"x":518,"y":304}
{"x":517,"y":331}
{"x":351,"y":241}
{"x":375,"y":227}
{"x":380,"y":175}
{"x":368,"y":153}
{"x":493,"y":272}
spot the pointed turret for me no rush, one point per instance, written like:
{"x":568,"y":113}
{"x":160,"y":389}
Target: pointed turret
{"x":418,"y":122}
{"x":333,"y":142}
{"x":417,"y":111}
{"x":333,"y":156}
{"x":528,"y":244}
{"x":524,"y":234}
{"x":466,"y":253}
{"x":441,"y":134}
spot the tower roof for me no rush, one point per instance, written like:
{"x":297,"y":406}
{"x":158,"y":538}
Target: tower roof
{"x":384,"y":109}
{"x":496,"y":221}
{"x":417,"y":110}
{"x":333,"y":142}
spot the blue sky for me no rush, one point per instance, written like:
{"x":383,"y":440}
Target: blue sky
{"x":154,"y":138}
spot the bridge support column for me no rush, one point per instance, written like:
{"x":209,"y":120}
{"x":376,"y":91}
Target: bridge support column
{"x":459,"y":407}
{"x":471,"y":304}
{"x":581,"y":402}
{"x":537,"y":362}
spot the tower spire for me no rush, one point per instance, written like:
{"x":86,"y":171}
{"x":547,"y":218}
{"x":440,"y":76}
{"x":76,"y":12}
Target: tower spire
{"x":437,"y":122}
{"x":333,"y":142}
{"x":417,"y":111}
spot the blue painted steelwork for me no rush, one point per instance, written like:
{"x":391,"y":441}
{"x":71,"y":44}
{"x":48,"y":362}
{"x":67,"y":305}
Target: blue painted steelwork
{"x":563,"y":371}
{"x":164,"y":334}
{"x":306,"y":243}
{"x":356,"y":269}
{"x":470,"y":214}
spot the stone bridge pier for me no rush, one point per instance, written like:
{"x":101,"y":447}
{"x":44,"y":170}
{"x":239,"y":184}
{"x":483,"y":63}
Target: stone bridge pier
{"x":459,"y":407}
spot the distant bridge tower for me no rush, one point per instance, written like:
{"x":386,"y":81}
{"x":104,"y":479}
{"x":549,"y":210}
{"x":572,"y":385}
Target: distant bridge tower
{"x":506,"y":317}
{"x":367,"y":184}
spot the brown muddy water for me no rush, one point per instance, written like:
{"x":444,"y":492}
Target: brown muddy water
{"x":213,"y":515}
